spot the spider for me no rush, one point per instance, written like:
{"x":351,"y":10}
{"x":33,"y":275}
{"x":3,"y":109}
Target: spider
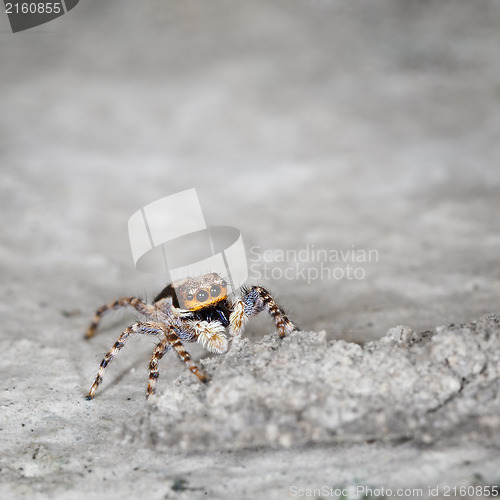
{"x":190,"y":310}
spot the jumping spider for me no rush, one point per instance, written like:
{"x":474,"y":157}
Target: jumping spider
{"x":190,"y":310}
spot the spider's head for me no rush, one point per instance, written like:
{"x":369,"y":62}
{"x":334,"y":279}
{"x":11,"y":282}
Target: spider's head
{"x":204,"y":291}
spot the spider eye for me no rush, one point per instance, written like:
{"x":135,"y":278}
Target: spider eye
{"x":202,"y":295}
{"x":224,"y":283}
{"x":215,"y":291}
{"x":189,"y":296}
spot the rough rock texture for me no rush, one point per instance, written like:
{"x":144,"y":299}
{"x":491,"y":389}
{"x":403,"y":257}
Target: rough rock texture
{"x":305,"y":389}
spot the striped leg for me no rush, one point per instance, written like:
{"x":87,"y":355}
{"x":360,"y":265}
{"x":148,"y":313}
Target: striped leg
{"x":171,"y":340}
{"x":134,"y":302}
{"x":146,"y":328}
{"x":252,"y":302}
{"x":158,"y":353}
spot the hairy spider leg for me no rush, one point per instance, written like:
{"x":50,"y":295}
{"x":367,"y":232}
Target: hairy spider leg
{"x":171,"y":340}
{"x":252,"y":302}
{"x":160,"y":350}
{"x":146,"y":328}
{"x":134,"y":302}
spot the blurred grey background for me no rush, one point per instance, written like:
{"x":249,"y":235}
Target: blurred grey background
{"x":340,"y":124}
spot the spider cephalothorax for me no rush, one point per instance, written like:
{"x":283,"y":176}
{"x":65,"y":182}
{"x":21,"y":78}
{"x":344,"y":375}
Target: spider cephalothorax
{"x":201,"y":292}
{"x":190,"y":310}
{"x":205,"y":296}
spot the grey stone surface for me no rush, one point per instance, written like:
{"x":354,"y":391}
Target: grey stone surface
{"x":340,"y":124}
{"x":304,"y":389}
